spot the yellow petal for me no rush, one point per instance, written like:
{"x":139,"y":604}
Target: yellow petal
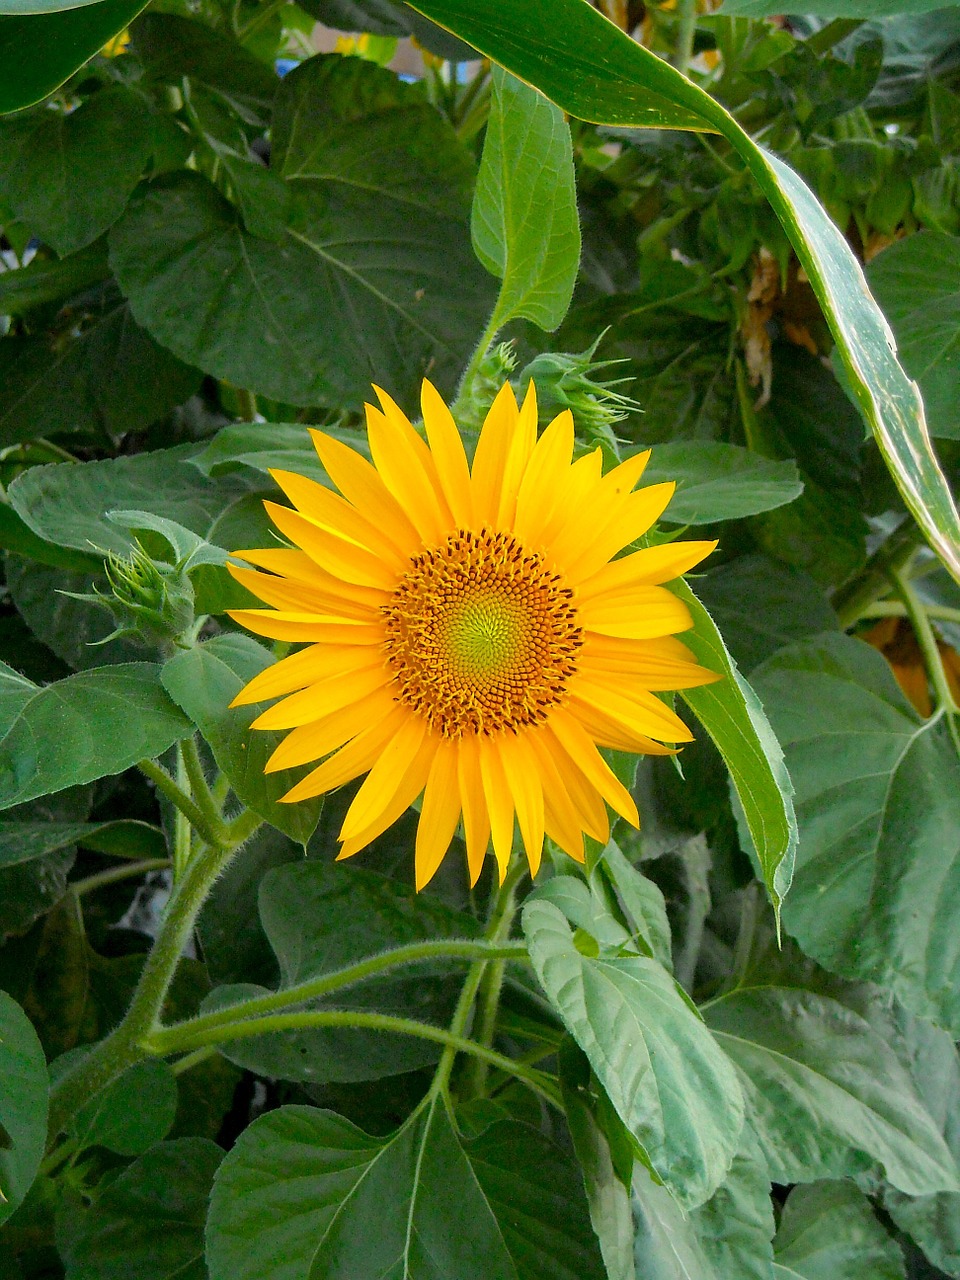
{"x":411,"y":784}
{"x":327,"y":510}
{"x":312,"y":627}
{"x":353,"y":759}
{"x":518,"y":458}
{"x":346,"y":560}
{"x":583,"y":795}
{"x":439,"y":815}
{"x":386,"y":776}
{"x":638,"y":711}
{"x":641,"y":614}
{"x":476,"y":819}
{"x":561,"y":819}
{"x":499,"y":803}
{"x":628,"y":519}
{"x":304,"y":598}
{"x":313,"y":741}
{"x":448,"y":455}
{"x":577,"y":744}
{"x":575,"y":492}
{"x":490,"y":458}
{"x":320,"y":699}
{"x":317,"y":662}
{"x":523,"y":778}
{"x":543,"y":479}
{"x":650,"y":672}
{"x":407,"y":474}
{"x":360,"y":484}
{"x":648,"y":567}
{"x":607,"y":731}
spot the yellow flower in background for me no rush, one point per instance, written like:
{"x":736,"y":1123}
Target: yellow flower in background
{"x":469,"y":635}
{"x":116,"y":45}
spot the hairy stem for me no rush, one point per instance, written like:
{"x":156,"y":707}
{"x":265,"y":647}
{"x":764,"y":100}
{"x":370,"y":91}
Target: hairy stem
{"x":181,"y":801}
{"x":121,"y":1048}
{"x":113,"y":874}
{"x":169,"y":1039}
{"x":304,"y":1020}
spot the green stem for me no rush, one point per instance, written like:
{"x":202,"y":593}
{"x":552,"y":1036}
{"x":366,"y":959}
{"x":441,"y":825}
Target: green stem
{"x":190,"y":1060}
{"x":246,"y":400}
{"x":945,"y":702}
{"x":897,"y":609}
{"x":199,"y":788}
{"x":121,"y":1048}
{"x":112,"y":874}
{"x":483,"y":346}
{"x":182,"y":830}
{"x":687,"y":14}
{"x":498,"y":929}
{"x":260,"y":20}
{"x":181,"y":801}
{"x":453,"y":1042}
{"x":874,"y":579}
{"x":830,"y":35}
{"x":169,"y":1039}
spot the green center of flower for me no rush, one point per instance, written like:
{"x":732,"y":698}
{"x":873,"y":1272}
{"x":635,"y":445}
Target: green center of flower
{"x":481,"y":635}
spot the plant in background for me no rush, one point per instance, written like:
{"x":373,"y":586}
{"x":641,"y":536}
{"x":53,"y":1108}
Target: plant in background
{"x":721,"y":1045}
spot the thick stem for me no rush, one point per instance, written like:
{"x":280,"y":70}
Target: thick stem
{"x":874,"y":580}
{"x":181,"y":801}
{"x":169,"y":1039}
{"x":498,"y":929}
{"x":121,"y":1048}
{"x":453,"y":1041}
{"x":199,"y":787}
{"x":945,"y":702}
{"x":123,"y":872}
{"x":687,"y":14}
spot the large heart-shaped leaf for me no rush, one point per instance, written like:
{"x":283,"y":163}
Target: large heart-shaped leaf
{"x":718,"y":481}
{"x":878,"y":803}
{"x":23,"y":1104}
{"x":373,"y":279}
{"x":670,"y":1083}
{"x":88,"y":726}
{"x":295,"y":1197}
{"x":826,"y":1095}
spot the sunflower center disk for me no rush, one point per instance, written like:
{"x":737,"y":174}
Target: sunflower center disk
{"x":481,"y":635}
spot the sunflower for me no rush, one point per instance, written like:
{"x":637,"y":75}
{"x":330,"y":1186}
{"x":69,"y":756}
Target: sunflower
{"x":470,"y":635}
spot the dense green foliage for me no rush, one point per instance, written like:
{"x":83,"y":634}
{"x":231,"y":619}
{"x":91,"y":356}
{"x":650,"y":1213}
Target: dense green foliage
{"x":724,"y":1049}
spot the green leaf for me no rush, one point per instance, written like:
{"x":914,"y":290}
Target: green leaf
{"x":296,"y":1197}
{"x":171,"y":47}
{"x":263,"y":446}
{"x":727,"y":1237}
{"x":524,"y":222}
{"x":594,"y":71}
{"x":641,"y":899}
{"x":124,"y":838}
{"x":66,"y":503}
{"x":373,"y":279}
{"x":148,"y":1222}
{"x":68,"y":40}
{"x":24,"y":1089}
{"x":879,"y":813}
{"x":720,"y":481}
{"x":41,"y":6}
{"x":68,"y":175}
{"x":733,"y":716}
{"x":131,"y":1114}
{"x":760,"y":605}
{"x":45,"y":280}
{"x":933,"y":1221}
{"x":16,"y":535}
{"x":668,"y":1081}
{"x":86,"y":727}
{"x":826,"y":1096}
{"x":832,"y":8}
{"x":917,"y":282}
{"x":108,"y":377}
{"x":204,"y":681}
{"x":828,"y":1232}
{"x":29,"y":889}
{"x":320,"y":917}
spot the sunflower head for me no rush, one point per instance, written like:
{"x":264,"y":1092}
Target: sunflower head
{"x":474,"y":633}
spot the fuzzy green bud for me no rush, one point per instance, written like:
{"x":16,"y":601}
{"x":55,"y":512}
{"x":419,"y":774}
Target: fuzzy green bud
{"x":150,"y":600}
{"x":569,"y":381}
